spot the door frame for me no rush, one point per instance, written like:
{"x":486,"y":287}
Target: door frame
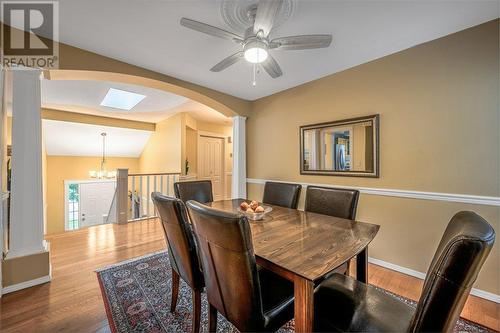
{"x":66,"y":191}
{"x":224,"y":150}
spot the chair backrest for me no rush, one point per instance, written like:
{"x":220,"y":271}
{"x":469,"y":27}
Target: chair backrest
{"x":460,"y":255}
{"x":282,"y":194}
{"x":336,"y":202}
{"x":229,"y":267}
{"x":199,"y":190}
{"x":180,"y":239}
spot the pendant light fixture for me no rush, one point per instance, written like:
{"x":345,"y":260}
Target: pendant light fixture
{"x":102,"y":173}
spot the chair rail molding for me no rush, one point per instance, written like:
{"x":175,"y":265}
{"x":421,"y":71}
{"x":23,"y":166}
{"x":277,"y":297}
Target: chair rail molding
{"x":435,"y":196}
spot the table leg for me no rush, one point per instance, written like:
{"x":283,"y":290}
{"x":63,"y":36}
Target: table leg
{"x":304,"y":305}
{"x":362,"y":265}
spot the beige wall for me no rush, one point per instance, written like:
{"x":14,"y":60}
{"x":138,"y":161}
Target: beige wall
{"x":61,"y":168}
{"x":175,"y":139}
{"x":439,"y":132}
{"x":162,"y":153}
{"x":192,"y":150}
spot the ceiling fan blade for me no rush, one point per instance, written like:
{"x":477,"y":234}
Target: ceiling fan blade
{"x":225,"y":63}
{"x":210,"y":30}
{"x":271,"y":67}
{"x":301,"y":42}
{"x":266,"y":13}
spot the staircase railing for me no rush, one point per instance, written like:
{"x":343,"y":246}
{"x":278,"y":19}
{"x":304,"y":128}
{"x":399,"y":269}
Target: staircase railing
{"x":140,"y":187}
{"x":132,"y":199}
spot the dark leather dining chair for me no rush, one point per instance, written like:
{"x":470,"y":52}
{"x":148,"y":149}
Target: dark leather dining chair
{"x":181,"y":251}
{"x":251,"y":298}
{"x":198,"y":190}
{"x":344,"y":304}
{"x":282,"y":194}
{"x":337,"y":202}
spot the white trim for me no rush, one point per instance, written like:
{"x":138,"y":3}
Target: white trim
{"x":26,"y":284}
{"x":238,"y":183}
{"x":212,"y":134}
{"x":397,"y":268}
{"x":436,"y":196}
{"x":486,"y":295}
{"x":476,"y":292}
{"x":45,"y":248}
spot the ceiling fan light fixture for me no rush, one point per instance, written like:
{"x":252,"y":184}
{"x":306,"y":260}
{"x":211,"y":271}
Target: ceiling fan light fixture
{"x":255,"y":52}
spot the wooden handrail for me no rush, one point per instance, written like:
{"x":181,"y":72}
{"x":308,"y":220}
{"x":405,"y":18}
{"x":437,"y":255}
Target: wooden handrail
{"x":154,"y":174}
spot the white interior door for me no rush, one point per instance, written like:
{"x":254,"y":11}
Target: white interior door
{"x":210,"y":163}
{"x":95,"y":201}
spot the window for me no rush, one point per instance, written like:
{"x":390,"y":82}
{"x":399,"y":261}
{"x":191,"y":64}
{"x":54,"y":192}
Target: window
{"x":121,"y":99}
{"x":73,"y":207}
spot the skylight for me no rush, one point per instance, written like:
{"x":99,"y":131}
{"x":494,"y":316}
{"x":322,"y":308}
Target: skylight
{"x":121,"y":99}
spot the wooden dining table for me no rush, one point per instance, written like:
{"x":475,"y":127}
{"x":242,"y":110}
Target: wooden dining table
{"x":303,"y":247}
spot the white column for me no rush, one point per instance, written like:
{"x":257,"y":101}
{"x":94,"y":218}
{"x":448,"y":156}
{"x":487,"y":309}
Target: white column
{"x":26,"y":224}
{"x":3,"y":145}
{"x":239,"y":182}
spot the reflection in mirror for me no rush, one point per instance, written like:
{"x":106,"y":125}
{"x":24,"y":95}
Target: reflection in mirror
{"x":346,"y":147}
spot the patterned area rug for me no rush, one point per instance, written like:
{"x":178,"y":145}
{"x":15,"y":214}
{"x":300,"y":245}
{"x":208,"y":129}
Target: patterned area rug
{"x":136,"y":296}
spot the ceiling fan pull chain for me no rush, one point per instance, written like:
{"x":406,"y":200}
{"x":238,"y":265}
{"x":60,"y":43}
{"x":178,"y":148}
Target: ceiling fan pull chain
{"x":254,"y":83}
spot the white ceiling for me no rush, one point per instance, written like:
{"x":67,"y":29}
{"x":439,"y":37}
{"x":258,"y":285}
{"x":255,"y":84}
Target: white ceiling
{"x":75,"y":139}
{"x":91,"y":93}
{"x":148,"y":34}
{"x":86,"y":97}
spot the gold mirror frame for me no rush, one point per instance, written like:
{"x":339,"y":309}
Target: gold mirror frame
{"x":349,"y":173}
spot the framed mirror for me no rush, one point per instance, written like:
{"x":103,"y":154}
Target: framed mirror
{"x":347,"y":147}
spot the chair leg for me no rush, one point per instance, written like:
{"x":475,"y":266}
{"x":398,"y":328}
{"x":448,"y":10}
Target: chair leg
{"x":175,"y":290}
{"x":212,"y":319}
{"x":196,"y":310}
{"x":348,"y":270}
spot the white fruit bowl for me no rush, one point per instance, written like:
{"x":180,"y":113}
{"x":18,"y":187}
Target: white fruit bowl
{"x":256,"y":216}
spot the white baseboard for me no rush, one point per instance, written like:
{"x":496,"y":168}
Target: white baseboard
{"x":397,"y":268}
{"x":486,"y":295}
{"x":26,"y":284}
{"x":476,"y":292}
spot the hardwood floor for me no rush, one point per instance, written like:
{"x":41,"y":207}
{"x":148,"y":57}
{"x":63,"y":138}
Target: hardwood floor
{"x":72,"y":301}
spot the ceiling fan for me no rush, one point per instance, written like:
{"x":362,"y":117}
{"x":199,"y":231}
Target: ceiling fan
{"x":255,"y":44}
